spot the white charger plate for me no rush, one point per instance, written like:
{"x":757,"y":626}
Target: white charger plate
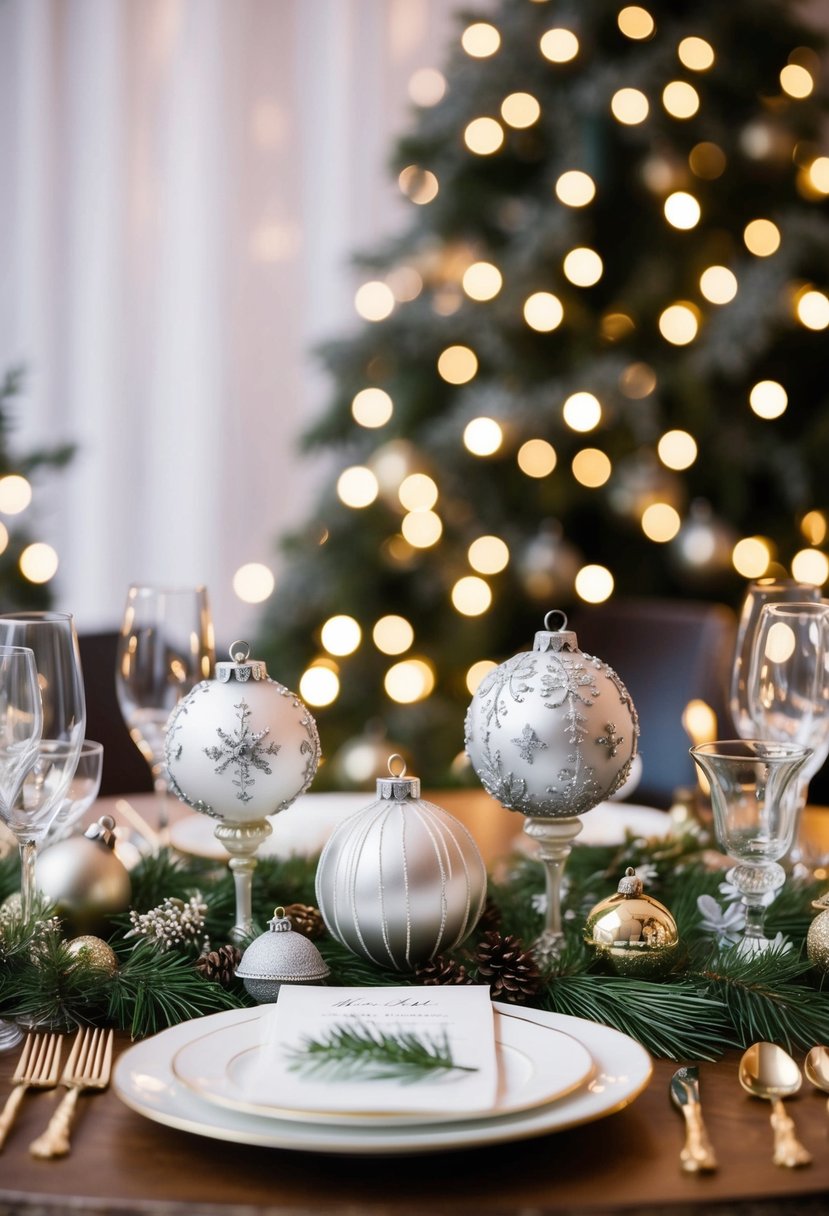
{"x":536,"y":1064}
{"x":144,"y":1080}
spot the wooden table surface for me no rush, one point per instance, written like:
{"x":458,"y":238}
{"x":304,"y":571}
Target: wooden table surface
{"x":628,"y":1162}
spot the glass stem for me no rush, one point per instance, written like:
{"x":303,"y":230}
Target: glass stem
{"x":755,"y":918}
{"x":28,"y":886}
{"x":160,"y":787}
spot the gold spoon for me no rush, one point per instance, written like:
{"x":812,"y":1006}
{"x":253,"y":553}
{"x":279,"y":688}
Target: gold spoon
{"x":816,"y":1067}
{"x":768,"y":1072}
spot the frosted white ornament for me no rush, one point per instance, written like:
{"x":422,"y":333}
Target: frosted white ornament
{"x":402,"y":880}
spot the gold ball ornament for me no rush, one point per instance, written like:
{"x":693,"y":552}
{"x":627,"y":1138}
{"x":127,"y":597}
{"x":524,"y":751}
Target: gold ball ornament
{"x":93,"y":952}
{"x":84,"y":879}
{"x":817,"y":939}
{"x":634,"y":934}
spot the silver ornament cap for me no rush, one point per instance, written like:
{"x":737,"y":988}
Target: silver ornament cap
{"x":241,"y":666}
{"x":280,"y":956}
{"x":397,"y":787}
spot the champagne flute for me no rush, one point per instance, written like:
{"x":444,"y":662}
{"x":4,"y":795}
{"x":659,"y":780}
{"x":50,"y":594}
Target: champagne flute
{"x":165,"y":648}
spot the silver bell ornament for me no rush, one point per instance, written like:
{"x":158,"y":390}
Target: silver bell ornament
{"x":280,"y":956}
{"x":635,"y":935}
{"x":241,"y":747}
{"x":85,"y":880}
{"x":551,"y":733}
{"x":401,"y":880}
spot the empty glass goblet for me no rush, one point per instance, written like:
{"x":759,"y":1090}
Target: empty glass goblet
{"x":82,"y":792}
{"x":754,"y":819}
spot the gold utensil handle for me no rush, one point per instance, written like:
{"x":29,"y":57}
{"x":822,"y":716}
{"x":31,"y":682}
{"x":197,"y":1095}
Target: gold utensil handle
{"x":9,"y":1111}
{"x":788,"y":1150}
{"x":697,"y":1154}
{"x":54,"y":1142}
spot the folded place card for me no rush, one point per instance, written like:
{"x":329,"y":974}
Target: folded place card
{"x":378,"y":1049}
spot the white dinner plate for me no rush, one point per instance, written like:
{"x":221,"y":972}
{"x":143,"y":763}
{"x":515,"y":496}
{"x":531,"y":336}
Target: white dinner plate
{"x":227,"y":1065}
{"x":143,"y":1078}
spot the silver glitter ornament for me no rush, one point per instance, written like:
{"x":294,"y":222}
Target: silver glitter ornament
{"x":85,"y":880}
{"x":280,"y":956}
{"x":402,"y":880}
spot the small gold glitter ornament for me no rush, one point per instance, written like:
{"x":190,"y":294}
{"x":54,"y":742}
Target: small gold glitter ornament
{"x":634,"y":934}
{"x":93,"y":952}
{"x":817,"y":939}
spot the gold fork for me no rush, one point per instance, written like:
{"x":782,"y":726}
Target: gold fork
{"x":88,"y":1067}
{"x":37,"y":1068}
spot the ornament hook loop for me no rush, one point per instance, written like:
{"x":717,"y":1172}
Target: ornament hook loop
{"x":239,"y":651}
{"x":562,"y":616}
{"x":395,"y":756}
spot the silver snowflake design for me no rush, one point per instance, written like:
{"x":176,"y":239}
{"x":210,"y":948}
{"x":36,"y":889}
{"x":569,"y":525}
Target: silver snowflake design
{"x":610,"y":739}
{"x":244,"y":750}
{"x":528,"y":743}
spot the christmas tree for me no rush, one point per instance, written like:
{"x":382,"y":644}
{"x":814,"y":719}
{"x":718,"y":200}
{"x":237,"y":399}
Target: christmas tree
{"x":594,"y":364}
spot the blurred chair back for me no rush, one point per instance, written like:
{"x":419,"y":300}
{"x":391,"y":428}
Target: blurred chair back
{"x":125,"y":770}
{"x":667,"y":653}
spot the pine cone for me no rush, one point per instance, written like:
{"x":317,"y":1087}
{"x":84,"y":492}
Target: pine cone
{"x":510,"y":970}
{"x":306,"y":920}
{"x":219,"y":965}
{"x":442,"y":970}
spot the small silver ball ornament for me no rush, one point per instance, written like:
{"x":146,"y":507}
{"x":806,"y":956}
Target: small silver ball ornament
{"x":280,"y":956}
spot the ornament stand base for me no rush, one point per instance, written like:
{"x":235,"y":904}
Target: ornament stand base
{"x":242,"y":840}
{"x":555,"y":842}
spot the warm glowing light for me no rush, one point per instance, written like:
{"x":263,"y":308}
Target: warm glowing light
{"x":543,"y":311}
{"x":699,"y":721}
{"x":591,"y":467}
{"x":679,"y":323}
{"x":482,"y":281}
{"x":575,"y":189}
{"x":253,"y":583}
{"x":409,"y":681}
{"x":488,"y":555}
{"x":695,"y":54}
{"x":813,"y":526}
{"x":374,"y":301}
{"x":372,"y":407}
{"x":457,"y":364}
{"x":768,"y":399}
{"x":615,"y":326}
{"x":483,"y":136}
{"x":812,"y":309}
{"x":319,"y":685}
{"x":718,"y":284}
{"x":482,"y":436}
{"x":751,"y":556}
{"x":682,"y":210}
{"x":582,"y":412}
{"x":796,"y":81}
{"x":471,"y":595}
{"x":477,"y":672}
{"x":536,"y":458}
{"x":520,"y":110}
{"x":707,"y":161}
{"x":391,"y":463}
{"x":810,"y":566}
{"x":780,"y":642}
{"x":4,"y":538}
{"x":422,"y":529}
{"x":660,"y":522}
{"x":559,"y":45}
{"x":638,"y":380}
{"x":819,"y":174}
{"x":392,"y":634}
{"x":677,"y":450}
{"x":418,"y":492}
{"x":635,"y":22}
{"x":629,"y":106}
{"x":341,"y":635}
{"x":15,"y":494}
{"x":38,"y":562}
{"x":583,"y":267}
{"x":594,"y":584}
{"x":762,"y":238}
{"x":405,"y":282}
{"x":419,"y":185}
{"x":427,"y":86}
{"x":480,"y":40}
{"x":357,"y":486}
{"x":680,"y":99}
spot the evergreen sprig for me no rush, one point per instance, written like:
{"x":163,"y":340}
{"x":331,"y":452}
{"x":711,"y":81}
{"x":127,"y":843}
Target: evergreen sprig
{"x":153,"y":989}
{"x":356,"y":1049}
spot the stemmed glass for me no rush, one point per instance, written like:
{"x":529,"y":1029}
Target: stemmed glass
{"x":165,"y":648}
{"x":754,"y":818}
{"x":82,"y":792}
{"x":21,"y":724}
{"x":52,"y":639}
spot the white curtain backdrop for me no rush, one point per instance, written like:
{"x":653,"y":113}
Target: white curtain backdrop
{"x":183,"y":183}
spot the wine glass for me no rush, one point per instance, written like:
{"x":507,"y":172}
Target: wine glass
{"x":754,"y":819}
{"x":82,"y":792}
{"x":759,"y":593}
{"x":21,"y":724}
{"x":52,"y":639}
{"x":165,"y":649}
